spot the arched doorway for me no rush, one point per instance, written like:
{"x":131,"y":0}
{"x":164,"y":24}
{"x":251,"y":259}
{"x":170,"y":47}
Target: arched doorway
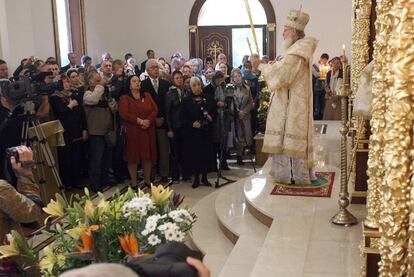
{"x":211,"y":35}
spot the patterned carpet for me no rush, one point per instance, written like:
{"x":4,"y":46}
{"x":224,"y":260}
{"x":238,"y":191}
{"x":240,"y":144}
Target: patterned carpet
{"x":322,"y":187}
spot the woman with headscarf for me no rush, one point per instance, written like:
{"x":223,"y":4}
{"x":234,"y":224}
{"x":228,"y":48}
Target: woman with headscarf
{"x":197,"y":67}
{"x":197,"y":116}
{"x":243,"y":104}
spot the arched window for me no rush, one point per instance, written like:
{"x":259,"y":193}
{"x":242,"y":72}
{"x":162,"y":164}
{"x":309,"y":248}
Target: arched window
{"x":230,"y":12}
{"x":218,"y":26}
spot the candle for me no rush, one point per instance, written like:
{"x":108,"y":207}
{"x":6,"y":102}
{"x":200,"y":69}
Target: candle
{"x":252,"y":25}
{"x":343,"y":49}
{"x":250,"y":46}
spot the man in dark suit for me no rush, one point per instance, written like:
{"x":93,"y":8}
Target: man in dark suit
{"x":150,"y":55}
{"x":72,"y":57}
{"x":158,"y":89}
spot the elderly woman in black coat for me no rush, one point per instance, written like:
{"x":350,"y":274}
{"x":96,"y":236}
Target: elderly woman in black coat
{"x":197,"y":115}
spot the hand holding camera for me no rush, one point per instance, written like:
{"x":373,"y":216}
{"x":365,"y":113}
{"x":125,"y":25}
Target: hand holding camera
{"x":21,"y":159}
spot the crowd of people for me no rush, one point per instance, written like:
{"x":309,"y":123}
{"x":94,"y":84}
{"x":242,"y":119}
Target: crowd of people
{"x":175,"y":119}
{"x":327,"y":79}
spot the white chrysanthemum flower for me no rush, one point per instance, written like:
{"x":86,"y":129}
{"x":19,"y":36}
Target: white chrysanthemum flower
{"x":138,"y":206}
{"x":154,"y":240}
{"x":153,"y":218}
{"x":179,"y":236}
{"x":171,"y":226}
{"x":150,"y":226}
{"x":145,"y":232}
{"x":170,"y":235}
{"x":174,"y":214}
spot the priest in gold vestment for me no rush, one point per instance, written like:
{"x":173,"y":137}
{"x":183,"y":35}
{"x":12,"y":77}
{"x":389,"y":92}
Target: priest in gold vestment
{"x":289,"y":125}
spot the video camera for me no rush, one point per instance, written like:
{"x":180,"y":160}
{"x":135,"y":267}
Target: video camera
{"x":168,"y":260}
{"x":27,"y":90}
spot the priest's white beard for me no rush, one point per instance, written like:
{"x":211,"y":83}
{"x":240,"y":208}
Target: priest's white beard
{"x":287,"y":43}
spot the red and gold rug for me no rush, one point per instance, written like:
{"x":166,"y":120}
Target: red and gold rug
{"x":322,"y":187}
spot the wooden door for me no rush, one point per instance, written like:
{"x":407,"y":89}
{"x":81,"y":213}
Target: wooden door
{"x":214,"y":40}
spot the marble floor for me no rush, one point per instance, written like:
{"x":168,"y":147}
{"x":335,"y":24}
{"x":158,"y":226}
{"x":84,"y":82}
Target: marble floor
{"x":298,"y":239}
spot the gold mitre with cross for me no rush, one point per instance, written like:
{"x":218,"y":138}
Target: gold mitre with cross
{"x":297,"y":19}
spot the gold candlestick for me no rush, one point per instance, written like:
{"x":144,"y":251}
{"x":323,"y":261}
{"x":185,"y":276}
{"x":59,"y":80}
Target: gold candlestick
{"x":246,"y":2}
{"x":344,"y":217}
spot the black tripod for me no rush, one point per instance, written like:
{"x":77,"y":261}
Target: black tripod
{"x":43,"y":154}
{"x":226,"y":121}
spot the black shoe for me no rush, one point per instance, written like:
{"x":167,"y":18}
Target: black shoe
{"x":225,"y":167}
{"x":240,"y":160}
{"x":206,"y":182}
{"x":144,"y":185}
{"x":196,"y":182}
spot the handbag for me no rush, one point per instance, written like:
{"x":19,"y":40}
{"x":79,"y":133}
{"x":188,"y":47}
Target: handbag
{"x":110,"y":138}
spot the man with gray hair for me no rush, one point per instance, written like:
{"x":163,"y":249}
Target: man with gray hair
{"x":158,"y":89}
{"x":289,"y":125}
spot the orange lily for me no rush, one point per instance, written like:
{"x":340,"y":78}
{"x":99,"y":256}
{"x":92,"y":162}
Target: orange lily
{"x":87,"y":243}
{"x":86,"y":237}
{"x":130,"y":245}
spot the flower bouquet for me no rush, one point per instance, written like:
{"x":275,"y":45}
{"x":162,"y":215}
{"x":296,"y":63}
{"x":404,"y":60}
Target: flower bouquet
{"x":129,"y":226}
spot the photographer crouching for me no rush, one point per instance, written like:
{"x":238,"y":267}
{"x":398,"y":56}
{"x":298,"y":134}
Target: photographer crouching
{"x":21,"y":204}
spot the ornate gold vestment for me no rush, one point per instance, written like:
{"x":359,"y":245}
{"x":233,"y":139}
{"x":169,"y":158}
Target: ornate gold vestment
{"x":289,"y":125}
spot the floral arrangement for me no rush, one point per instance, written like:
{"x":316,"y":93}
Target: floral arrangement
{"x":263,"y":107}
{"x":129,"y":226}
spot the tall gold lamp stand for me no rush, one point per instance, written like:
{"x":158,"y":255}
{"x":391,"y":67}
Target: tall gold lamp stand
{"x":344,"y":217}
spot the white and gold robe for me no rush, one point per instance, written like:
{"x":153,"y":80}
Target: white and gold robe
{"x":289,"y":125}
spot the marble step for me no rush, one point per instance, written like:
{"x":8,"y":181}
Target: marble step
{"x":207,"y":235}
{"x":301,"y":241}
{"x":241,"y":228}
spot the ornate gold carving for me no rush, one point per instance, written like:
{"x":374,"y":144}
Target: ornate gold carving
{"x":214,"y":48}
{"x":360,"y":58}
{"x":375,"y":156}
{"x":360,"y":37}
{"x":397,"y":24}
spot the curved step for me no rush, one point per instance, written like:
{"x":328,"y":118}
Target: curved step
{"x":241,"y":228}
{"x":207,"y":236}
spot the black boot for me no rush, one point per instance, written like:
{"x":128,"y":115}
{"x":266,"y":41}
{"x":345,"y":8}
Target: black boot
{"x":240,"y":160}
{"x":205,"y":181}
{"x":196,"y":182}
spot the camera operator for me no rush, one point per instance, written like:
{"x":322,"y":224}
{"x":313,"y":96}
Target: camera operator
{"x":66,"y":108}
{"x":21,"y":205}
{"x":99,"y":106}
{"x":197,"y":116}
{"x":10,"y":124}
